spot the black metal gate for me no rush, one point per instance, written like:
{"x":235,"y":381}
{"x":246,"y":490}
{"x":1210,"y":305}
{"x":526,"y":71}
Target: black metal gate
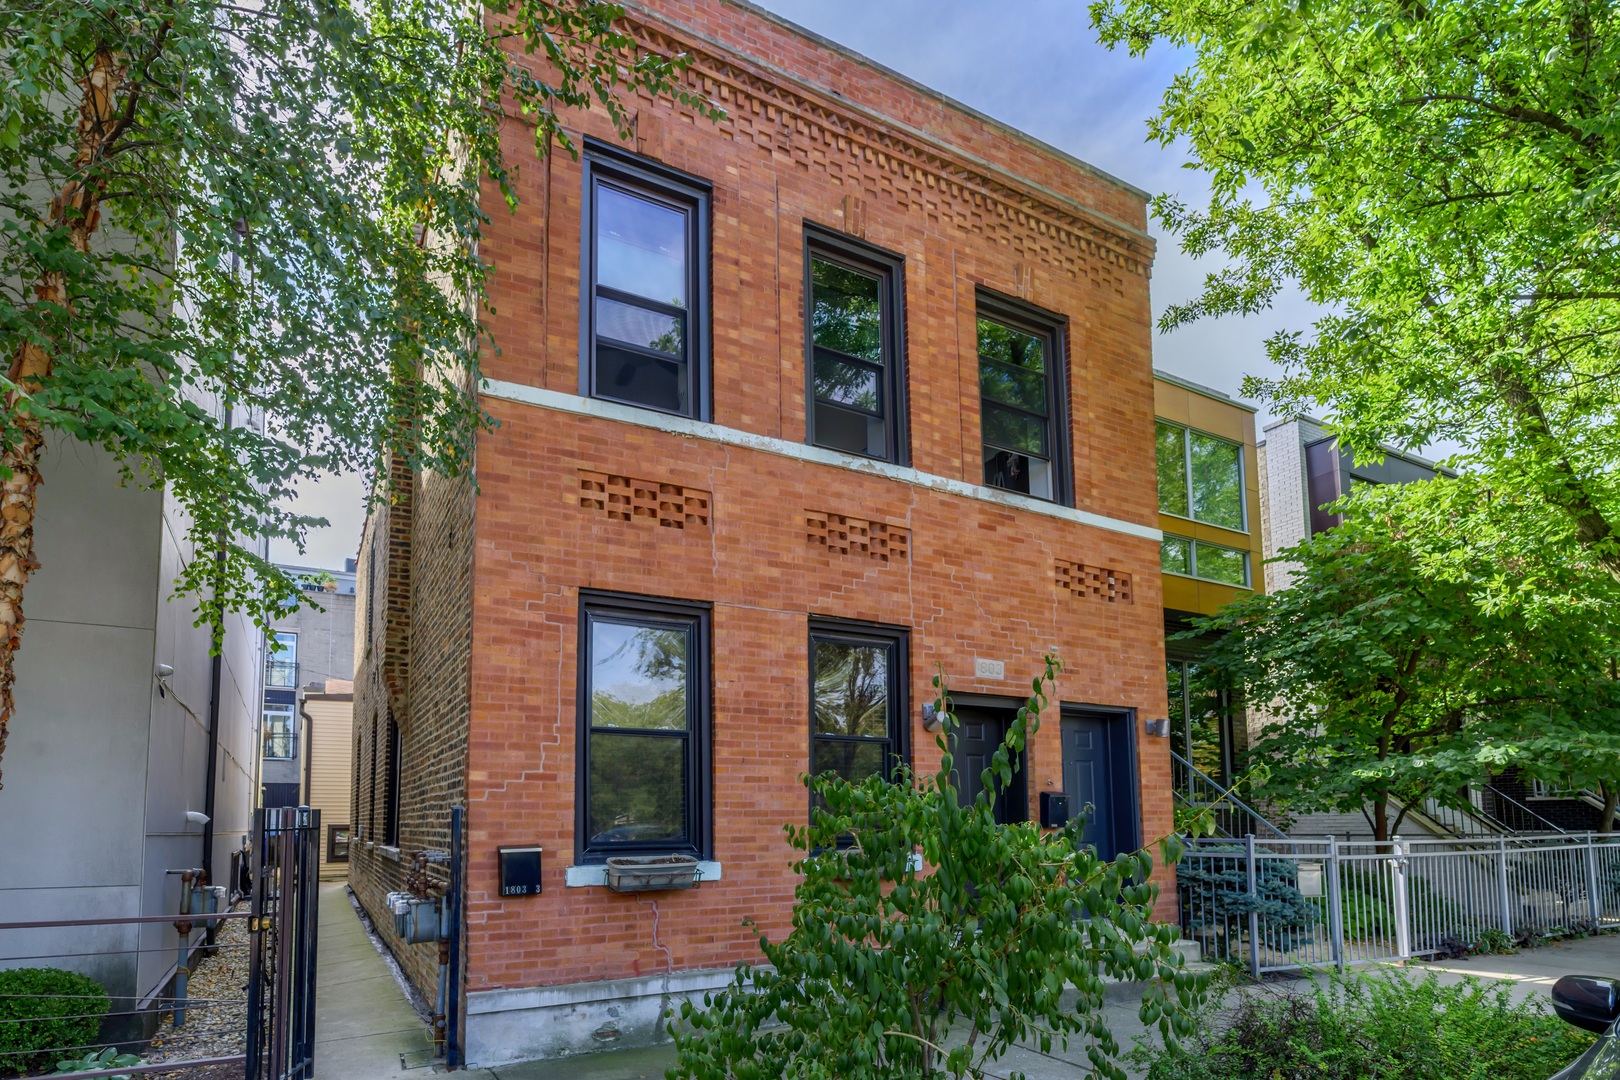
{"x":281,"y":968}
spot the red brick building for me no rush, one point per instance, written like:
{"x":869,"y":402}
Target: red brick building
{"x":795,"y":409}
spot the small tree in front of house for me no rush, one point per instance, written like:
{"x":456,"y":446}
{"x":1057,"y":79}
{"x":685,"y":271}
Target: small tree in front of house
{"x":900,"y":967}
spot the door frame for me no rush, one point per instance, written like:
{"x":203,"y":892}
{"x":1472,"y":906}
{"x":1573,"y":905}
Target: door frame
{"x":1011,"y":705}
{"x":1125,"y":769}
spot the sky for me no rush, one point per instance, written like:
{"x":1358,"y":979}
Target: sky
{"x":1043,"y":72}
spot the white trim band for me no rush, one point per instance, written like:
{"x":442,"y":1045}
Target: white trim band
{"x":698,"y":429}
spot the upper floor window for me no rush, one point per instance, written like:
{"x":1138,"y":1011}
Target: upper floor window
{"x":1199,"y":559}
{"x":1021,"y":400}
{"x":280,"y":736}
{"x":853,"y":298}
{"x":1200,"y":476}
{"x":644,"y":678}
{"x":857,"y":700}
{"x":644,"y":311}
{"x":281,"y":665}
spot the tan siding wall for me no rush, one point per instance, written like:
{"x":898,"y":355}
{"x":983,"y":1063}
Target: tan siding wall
{"x":331,"y":765}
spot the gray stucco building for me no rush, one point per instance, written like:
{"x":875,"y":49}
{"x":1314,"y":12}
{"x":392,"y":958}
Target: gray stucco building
{"x":119,"y":770}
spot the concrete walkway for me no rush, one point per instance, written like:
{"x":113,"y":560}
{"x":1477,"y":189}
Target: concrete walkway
{"x":363,"y":1024}
{"x":365,"y":1030}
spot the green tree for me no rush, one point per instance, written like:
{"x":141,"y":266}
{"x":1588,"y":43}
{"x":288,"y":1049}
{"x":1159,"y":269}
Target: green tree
{"x":898,"y":970}
{"x":1442,"y":177}
{"x":1396,"y":671}
{"x":275,"y":207}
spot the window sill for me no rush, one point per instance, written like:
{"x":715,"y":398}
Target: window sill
{"x":595,"y":874}
{"x":389,"y":853}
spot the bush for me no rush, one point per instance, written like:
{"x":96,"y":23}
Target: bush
{"x":57,"y":1009}
{"x":1374,"y":1027}
{"x":886,"y":958}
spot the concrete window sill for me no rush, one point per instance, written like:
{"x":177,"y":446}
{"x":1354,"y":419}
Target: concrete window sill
{"x":389,"y":853}
{"x":585,"y":877}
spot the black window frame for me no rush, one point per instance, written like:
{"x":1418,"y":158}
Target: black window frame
{"x":391,"y":791}
{"x":650,"y":180}
{"x":898,"y":640}
{"x":332,"y":840}
{"x":1054,"y":328}
{"x":700,"y":720}
{"x":839,"y":249}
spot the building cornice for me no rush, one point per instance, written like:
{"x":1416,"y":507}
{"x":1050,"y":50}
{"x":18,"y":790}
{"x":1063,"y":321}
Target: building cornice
{"x":754,"y":90}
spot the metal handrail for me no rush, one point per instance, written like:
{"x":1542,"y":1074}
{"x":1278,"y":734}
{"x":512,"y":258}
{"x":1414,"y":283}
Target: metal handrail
{"x":1197,"y":777}
{"x":1497,"y":793}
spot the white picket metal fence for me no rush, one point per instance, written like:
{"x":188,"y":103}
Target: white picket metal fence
{"x":1279,"y":905}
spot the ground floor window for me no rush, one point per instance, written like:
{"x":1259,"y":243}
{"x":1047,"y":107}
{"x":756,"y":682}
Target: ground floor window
{"x":337,"y":843}
{"x":857,"y":700}
{"x":643,"y":721}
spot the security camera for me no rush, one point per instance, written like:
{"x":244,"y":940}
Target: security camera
{"x":164,"y":671}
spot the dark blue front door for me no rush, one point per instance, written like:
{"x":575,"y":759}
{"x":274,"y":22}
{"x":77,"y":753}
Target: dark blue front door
{"x":1089,"y":765}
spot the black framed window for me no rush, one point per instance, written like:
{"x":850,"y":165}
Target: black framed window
{"x":853,"y":298}
{"x":371,"y":808}
{"x":858,"y":711}
{"x":1022,"y":399}
{"x":643,"y":718}
{"x":391,"y":792}
{"x":644,"y":305}
{"x":337,"y":843}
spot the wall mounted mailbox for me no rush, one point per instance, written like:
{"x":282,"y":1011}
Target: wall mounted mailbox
{"x":1054,"y":809}
{"x":520,"y":871}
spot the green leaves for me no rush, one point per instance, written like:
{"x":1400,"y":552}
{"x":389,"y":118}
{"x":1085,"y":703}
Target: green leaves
{"x":1440,"y":179}
{"x":1418,"y":650}
{"x":898,"y":966}
{"x":287,"y":275}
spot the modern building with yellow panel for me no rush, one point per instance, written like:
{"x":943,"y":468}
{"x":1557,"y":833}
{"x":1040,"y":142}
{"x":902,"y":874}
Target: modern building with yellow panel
{"x":1209,"y":512}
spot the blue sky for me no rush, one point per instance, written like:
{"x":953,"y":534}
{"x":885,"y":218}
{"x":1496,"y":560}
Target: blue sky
{"x":1034,"y":64}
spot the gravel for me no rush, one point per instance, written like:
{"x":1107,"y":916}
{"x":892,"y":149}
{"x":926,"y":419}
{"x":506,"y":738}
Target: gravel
{"x":216,"y":1025}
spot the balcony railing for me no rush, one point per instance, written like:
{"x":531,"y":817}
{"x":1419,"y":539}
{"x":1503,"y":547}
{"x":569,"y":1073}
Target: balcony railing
{"x":280,"y":744}
{"x":278,"y":672}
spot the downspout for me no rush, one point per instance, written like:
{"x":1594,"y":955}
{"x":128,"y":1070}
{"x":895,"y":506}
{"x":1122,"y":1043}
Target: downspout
{"x":305,"y":746}
{"x":216,"y":668}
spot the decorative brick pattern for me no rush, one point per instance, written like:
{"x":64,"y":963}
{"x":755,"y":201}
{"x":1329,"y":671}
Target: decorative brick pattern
{"x":842,"y":535}
{"x":1093,"y":582}
{"x":624,"y":498}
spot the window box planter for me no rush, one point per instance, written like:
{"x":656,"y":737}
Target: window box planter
{"x":649,"y":873}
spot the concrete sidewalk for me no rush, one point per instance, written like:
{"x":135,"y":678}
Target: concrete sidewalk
{"x":365,"y":1029}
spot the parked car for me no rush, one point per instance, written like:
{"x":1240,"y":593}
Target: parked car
{"x":1591,"y":1002}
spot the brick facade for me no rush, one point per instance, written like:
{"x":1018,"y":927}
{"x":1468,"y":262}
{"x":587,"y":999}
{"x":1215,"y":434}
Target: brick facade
{"x":573,"y":496}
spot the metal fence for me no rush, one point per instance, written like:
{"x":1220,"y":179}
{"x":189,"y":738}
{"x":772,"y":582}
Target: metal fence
{"x":1283,"y":904}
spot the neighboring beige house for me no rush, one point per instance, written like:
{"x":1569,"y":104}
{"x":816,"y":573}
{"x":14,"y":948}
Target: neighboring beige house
{"x":327,"y":711}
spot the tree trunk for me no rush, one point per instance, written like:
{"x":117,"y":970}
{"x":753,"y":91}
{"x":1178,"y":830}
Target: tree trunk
{"x":77,"y":207}
{"x":1611,"y":801}
{"x":1380,"y":822}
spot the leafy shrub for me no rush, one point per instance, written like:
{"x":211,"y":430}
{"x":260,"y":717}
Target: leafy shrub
{"x":887,"y":961}
{"x":1373,"y":1027}
{"x":108,"y":1058}
{"x":57,"y":1009}
{"x":1216,"y":898}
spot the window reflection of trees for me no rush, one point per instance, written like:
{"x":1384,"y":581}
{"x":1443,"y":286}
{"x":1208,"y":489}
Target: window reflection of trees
{"x":846,"y":317}
{"x":851,"y":699}
{"x":639,"y":780}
